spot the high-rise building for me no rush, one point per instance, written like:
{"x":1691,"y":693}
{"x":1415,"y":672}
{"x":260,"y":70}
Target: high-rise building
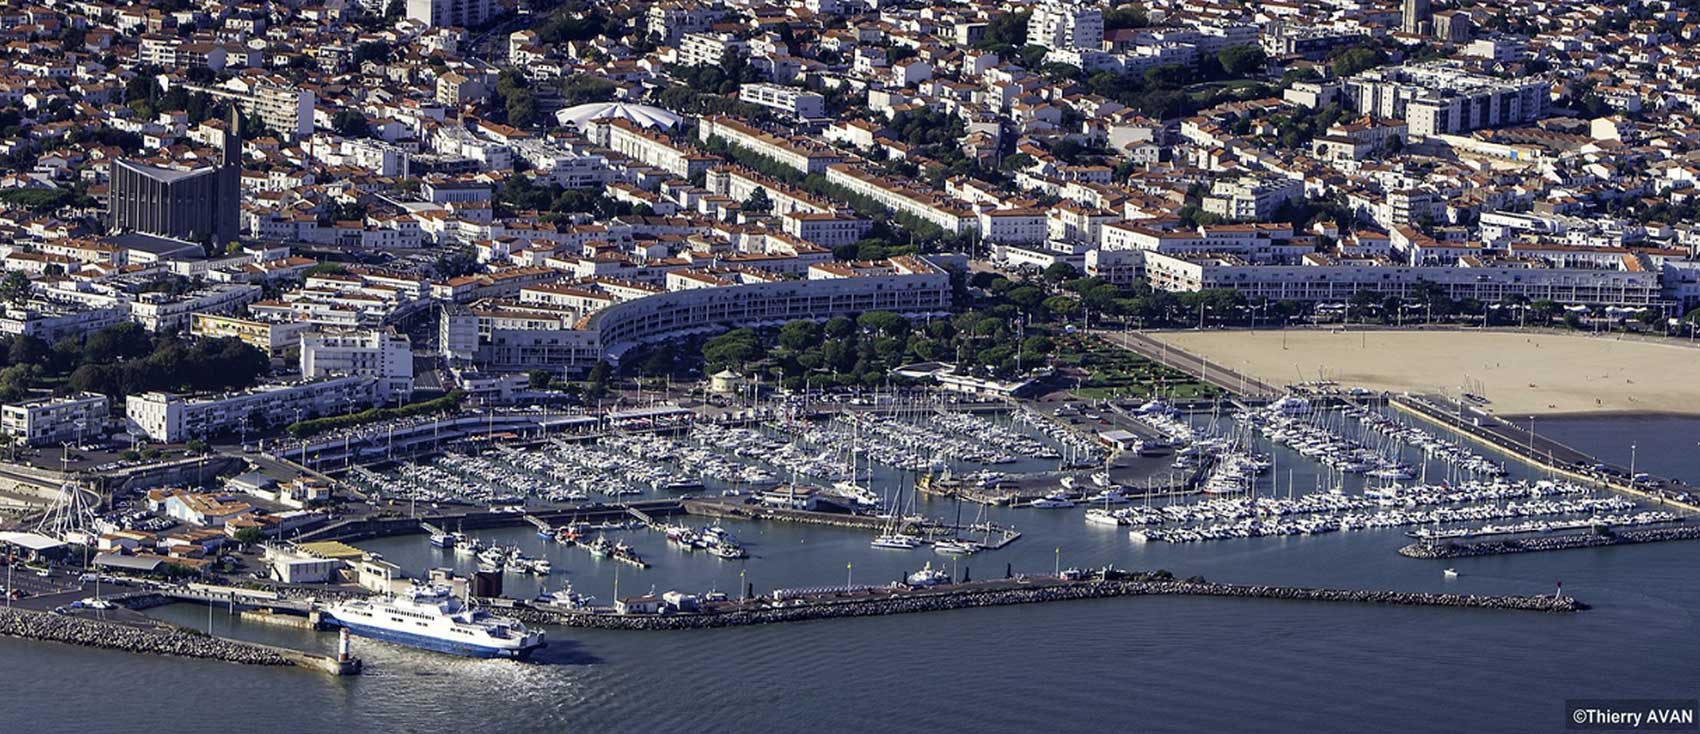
{"x":1418,"y":17}
{"x":199,"y":204}
{"x":456,"y":13}
{"x":1057,"y":24}
{"x":1452,"y":26}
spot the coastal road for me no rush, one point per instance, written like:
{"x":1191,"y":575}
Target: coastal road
{"x":1235,"y":382}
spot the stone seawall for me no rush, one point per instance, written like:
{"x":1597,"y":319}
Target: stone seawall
{"x":128,"y":638}
{"x":907,"y":602}
{"x":1549,"y":543}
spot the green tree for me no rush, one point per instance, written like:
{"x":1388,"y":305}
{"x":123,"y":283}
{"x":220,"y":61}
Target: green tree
{"x":758,"y":202}
{"x":15,"y":287}
{"x":800,"y":335}
{"x":1063,"y":306}
{"x":249,"y":536}
{"x":539,"y":379}
{"x":1242,"y":61}
{"x":1356,"y":59}
{"x":1059,"y":272}
{"x":884,"y":323}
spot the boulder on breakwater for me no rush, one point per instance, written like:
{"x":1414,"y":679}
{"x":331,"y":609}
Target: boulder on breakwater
{"x":904,"y":601}
{"x":130,"y":638}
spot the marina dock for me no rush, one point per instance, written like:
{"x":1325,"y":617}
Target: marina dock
{"x":1536,"y":450}
{"x":995,"y":536}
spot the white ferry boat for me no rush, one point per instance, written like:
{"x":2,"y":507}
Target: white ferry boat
{"x":431,"y":618}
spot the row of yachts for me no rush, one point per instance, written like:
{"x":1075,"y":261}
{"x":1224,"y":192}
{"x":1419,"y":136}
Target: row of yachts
{"x":1639,"y":519}
{"x":1077,"y":448}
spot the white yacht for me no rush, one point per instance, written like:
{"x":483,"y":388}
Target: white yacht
{"x":956,"y":547}
{"x":431,"y":618}
{"x":1101,"y":516}
{"x":1054,"y":501}
{"x":896,"y":541}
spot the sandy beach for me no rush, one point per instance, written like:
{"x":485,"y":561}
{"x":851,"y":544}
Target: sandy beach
{"x":1519,"y":373}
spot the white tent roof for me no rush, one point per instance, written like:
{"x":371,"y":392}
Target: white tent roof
{"x":580,"y":115}
{"x":32,"y":541}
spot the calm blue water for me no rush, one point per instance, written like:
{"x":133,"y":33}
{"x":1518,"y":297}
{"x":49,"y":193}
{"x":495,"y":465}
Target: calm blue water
{"x":1124,"y":664}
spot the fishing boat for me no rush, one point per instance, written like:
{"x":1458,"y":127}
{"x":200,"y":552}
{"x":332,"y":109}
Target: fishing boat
{"x":600,"y":548}
{"x":729,"y":551}
{"x":443,"y":540}
{"x":565,"y":598}
{"x":928,"y":576}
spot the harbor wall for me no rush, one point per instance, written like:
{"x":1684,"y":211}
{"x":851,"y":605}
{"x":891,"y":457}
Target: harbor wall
{"x":1549,"y":543}
{"x":1007,"y":593}
{"x":1520,"y":451}
{"x":113,"y":636}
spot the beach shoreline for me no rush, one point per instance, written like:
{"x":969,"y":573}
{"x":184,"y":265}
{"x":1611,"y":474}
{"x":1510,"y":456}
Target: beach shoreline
{"x":1540,"y":373}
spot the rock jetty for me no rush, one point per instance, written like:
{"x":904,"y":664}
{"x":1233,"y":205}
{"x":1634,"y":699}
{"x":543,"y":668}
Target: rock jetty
{"x":903,"y":601}
{"x":130,"y":638}
{"x":1549,"y":543}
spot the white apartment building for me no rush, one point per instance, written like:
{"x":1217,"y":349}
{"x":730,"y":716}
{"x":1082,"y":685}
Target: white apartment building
{"x":825,"y":229}
{"x":507,"y":336}
{"x":803,"y":155}
{"x":1437,"y":98}
{"x":456,"y":13}
{"x":798,"y":103}
{"x":924,"y":205}
{"x":1252,"y":198}
{"x":283,"y":107}
{"x":170,"y":417}
{"x":162,"y":312}
{"x":639,"y":144}
{"x":51,"y":420}
{"x":380,"y":354}
{"x":707,"y":49}
{"x":1060,"y":24}
{"x":1325,"y":280}
{"x":1013,"y":226}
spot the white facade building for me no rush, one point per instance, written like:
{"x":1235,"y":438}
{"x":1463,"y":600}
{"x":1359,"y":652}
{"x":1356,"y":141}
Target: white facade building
{"x":50,"y":420}
{"x":381,"y":354}
{"x":170,"y":417}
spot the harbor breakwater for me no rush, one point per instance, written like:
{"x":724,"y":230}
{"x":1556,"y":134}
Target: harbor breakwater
{"x":1549,"y":543}
{"x":900,"y":601}
{"x":129,"y":638}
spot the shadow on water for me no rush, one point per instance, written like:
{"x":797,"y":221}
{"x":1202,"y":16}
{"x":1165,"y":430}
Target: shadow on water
{"x":564,"y":652}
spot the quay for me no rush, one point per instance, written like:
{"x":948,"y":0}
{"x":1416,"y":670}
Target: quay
{"x":879,"y":601}
{"x":1427,"y":550}
{"x":1538,"y":451}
